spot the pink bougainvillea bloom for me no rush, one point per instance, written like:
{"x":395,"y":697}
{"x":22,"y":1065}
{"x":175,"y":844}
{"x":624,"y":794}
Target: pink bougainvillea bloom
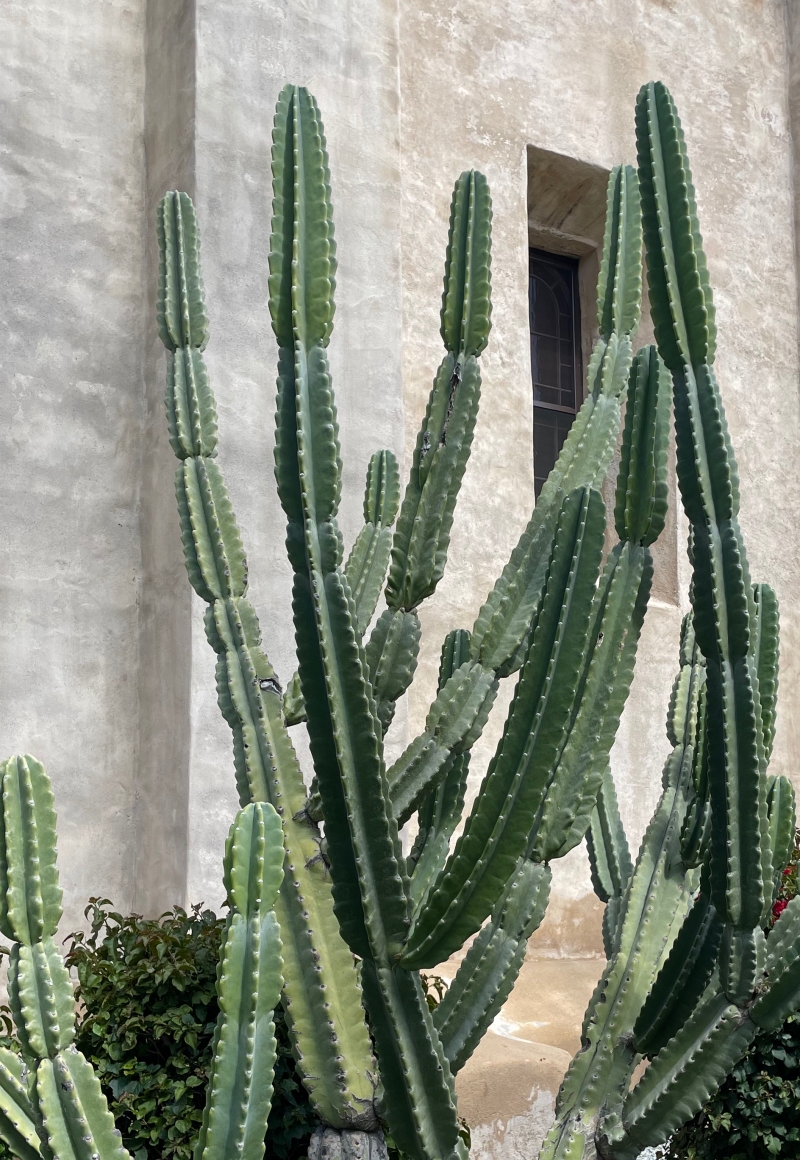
{"x":779,"y":907}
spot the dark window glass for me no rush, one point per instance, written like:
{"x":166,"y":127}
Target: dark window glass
{"x":555,"y":356}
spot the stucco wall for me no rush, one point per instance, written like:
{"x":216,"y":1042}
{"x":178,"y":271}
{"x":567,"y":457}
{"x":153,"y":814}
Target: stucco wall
{"x":71,"y":288}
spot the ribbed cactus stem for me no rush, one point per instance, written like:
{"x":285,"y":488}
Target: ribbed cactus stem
{"x":330,"y":1040}
{"x":65,"y":1104}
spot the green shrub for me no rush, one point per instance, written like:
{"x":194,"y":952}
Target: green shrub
{"x":755,"y":1115}
{"x":147,"y":1010}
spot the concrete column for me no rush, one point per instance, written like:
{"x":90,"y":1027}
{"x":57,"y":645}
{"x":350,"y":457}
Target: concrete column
{"x":71,"y":204}
{"x":165,"y":644}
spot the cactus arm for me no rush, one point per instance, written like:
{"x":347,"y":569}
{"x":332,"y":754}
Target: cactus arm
{"x":609,"y":858}
{"x":76,"y":1121}
{"x":325,"y":1017}
{"x":368,"y":560}
{"x":682,"y":980}
{"x":619,"y":607}
{"x":17,"y":1115}
{"x":642,"y":490}
{"x":654,"y":904}
{"x":685,"y":1074}
{"x":724,"y":605}
{"x":391,"y":656}
{"x":497,"y":831}
{"x":64,"y":1099}
{"x":248,"y":988}
{"x":782,"y":819}
{"x":766,"y":654}
{"x":370,"y":889}
{"x":781,"y":996}
{"x":455,"y":720}
{"x":490,"y":968}
{"x":421,"y":541}
{"x":504,"y":620}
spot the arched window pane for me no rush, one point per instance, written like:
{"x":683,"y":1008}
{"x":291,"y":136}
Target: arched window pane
{"x":555,"y":355}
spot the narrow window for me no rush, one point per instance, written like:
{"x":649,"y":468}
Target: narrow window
{"x":554,"y":308}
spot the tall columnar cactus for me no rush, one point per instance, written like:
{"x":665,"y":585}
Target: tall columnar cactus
{"x":248,"y":989}
{"x":52,"y":1104}
{"x":683,"y":928}
{"x":330,"y":1038}
{"x":691,"y":977}
{"x":571,"y":625}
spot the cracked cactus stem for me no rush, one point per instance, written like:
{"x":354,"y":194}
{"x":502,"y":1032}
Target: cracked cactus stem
{"x":321,"y":997}
{"x":370,"y":886}
{"x":248,"y":989}
{"x":63,"y":1101}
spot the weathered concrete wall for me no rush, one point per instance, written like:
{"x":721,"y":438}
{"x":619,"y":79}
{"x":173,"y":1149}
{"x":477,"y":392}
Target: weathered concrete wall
{"x":71,"y":89}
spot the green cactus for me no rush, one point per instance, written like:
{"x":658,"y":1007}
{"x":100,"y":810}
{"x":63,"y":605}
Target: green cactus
{"x":549,"y":612}
{"x":248,"y":986}
{"x":330,"y":1039}
{"x":682,"y":928}
{"x":691,"y":977}
{"x":51,"y":1103}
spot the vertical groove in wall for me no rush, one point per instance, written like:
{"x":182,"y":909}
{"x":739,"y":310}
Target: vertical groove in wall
{"x":793,"y":43}
{"x":165,"y":600}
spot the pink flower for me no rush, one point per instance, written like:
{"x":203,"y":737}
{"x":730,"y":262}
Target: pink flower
{"x":779,"y":907}
{"x":788,"y":870}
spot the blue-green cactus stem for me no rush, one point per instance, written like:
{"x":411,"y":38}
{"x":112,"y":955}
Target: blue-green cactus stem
{"x":440,"y":812}
{"x":766,"y":656}
{"x":782,"y":818}
{"x":490,"y":968}
{"x":683,"y":978}
{"x":654,"y":904}
{"x":322,"y":998}
{"x":370,"y":887}
{"x":725,"y":612}
{"x":455,"y":720}
{"x":781,"y":995}
{"x":497,"y":830}
{"x":642,"y":490}
{"x":17,"y":1114}
{"x":76,"y":1122}
{"x":685,"y":1073}
{"x":368,"y":560}
{"x":248,"y":989}
{"x":422,"y":538}
{"x":392,"y":659}
{"x":64,"y":1101}
{"x":609,"y":858}
{"x":503,"y":624}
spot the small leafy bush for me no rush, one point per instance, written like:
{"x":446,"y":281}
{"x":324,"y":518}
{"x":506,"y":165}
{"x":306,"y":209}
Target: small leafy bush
{"x":147,"y":1010}
{"x":755,"y":1115}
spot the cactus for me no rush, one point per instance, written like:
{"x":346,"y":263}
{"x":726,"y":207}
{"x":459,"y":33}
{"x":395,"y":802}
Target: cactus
{"x":248,"y":987}
{"x":682,"y":928}
{"x":51,"y":1103}
{"x":569,"y":623}
{"x":690,"y":978}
